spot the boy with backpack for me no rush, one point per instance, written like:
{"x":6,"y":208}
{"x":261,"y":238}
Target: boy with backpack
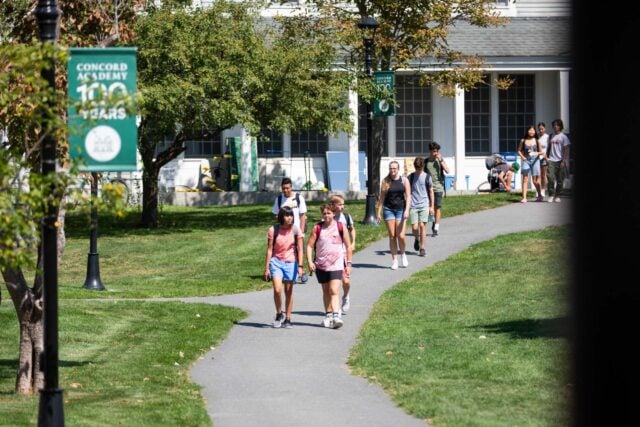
{"x":421,"y":204}
{"x":436,"y":167}
{"x":347,"y":221}
{"x":296,"y":202}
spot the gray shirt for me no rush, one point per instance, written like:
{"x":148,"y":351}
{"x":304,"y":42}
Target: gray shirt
{"x":420,"y":190}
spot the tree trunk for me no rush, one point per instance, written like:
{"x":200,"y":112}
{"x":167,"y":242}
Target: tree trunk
{"x":150,"y":196}
{"x":29,"y":305}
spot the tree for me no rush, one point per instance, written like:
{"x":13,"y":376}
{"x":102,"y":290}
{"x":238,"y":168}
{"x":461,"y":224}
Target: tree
{"x":412,"y":35}
{"x":213,"y":68}
{"x":26,"y":116}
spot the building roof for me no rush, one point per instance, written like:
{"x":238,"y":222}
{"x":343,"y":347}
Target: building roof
{"x":541,"y":42}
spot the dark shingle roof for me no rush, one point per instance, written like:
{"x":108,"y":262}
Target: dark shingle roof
{"x":546,"y":38}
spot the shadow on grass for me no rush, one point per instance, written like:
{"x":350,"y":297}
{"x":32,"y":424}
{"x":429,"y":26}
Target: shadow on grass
{"x":77,"y":225}
{"x":532,"y":328}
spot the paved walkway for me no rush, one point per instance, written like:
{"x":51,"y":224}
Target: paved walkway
{"x":261,"y":376}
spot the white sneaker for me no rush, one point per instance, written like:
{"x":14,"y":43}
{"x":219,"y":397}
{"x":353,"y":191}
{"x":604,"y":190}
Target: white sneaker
{"x":277,"y":323}
{"x":550,"y":199}
{"x":557,"y":199}
{"x":394,"y":264}
{"x":346,"y":304}
{"x":327,"y":322}
{"x":337,"y":322}
{"x":405,"y":261}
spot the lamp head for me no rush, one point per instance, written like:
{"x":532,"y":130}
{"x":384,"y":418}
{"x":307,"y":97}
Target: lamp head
{"x":368,"y":23}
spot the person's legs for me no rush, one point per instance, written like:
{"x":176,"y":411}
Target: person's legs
{"x":393,"y":242}
{"x":437,"y":205}
{"x":552,"y":175}
{"x":525,"y":184}
{"x":543,"y":178}
{"x":423,"y":237}
{"x":288,"y":302}
{"x":334,"y":292}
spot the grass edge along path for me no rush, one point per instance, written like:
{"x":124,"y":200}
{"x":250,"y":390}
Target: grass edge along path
{"x":479,"y":339}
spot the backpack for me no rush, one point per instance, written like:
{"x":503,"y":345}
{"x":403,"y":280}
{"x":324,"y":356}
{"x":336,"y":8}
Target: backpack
{"x":440,"y":173}
{"x":276,"y":229}
{"x":318,"y":228}
{"x":348,"y":218}
{"x":280,"y":200}
{"x":412,"y":176}
{"x":493,"y":161}
{"x":298,"y":205}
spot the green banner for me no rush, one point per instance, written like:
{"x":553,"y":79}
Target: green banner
{"x":103,"y":136}
{"x":386,"y":82}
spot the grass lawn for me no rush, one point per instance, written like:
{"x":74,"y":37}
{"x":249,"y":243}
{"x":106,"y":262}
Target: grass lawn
{"x":126,"y":362}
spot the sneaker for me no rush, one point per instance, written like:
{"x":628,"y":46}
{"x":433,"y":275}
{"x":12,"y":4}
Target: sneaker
{"x":423,"y":252}
{"x":405,"y":261}
{"x":435,"y":232}
{"x":277,"y":323}
{"x":327,"y":322}
{"x":539,"y":199}
{"x":346,"y":304}
{"x":337,"y":322}
{"x":523,"y":201}
{"x":287,"y":324}
{"x":416,"y":244}
{"x":557,"y":199}
{"x":394,"y":264}
{"x":550,"y":199}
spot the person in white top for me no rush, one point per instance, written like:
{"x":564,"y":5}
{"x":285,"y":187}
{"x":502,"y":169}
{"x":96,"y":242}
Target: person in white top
{"x":543,"y":140}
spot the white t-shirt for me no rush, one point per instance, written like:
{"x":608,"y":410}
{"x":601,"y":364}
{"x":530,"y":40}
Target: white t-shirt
{"x":293,"y":204}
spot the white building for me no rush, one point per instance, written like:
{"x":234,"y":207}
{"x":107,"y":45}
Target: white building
{"x":533,"y":48}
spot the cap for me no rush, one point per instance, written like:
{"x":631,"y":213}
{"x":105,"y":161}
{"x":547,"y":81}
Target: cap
{"x":516,"y":166}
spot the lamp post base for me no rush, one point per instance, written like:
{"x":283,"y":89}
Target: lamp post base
{"x":370,"y":216}
{"x":50,"y":411}
{"x":93,"y":280}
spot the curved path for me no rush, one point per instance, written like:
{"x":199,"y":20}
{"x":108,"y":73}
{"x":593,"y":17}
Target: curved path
{"x":261,"y":376}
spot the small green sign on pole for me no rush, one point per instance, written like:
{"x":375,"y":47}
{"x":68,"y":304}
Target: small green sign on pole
{"x":385,"y":82}
{"x":103,"y":137}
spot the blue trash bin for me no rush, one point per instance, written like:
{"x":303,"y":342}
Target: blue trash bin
{"x":448,"y":181}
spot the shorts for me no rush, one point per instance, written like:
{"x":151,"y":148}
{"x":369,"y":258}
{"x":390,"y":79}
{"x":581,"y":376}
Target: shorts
{"x":528,"y":168}
{"x":419,"y":215}
{"x":392,"y":214}
{"x":437,"y":203}
{"x":287,"y":270}
{"x":327,"y":276}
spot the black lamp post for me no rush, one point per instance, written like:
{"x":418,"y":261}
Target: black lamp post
{"x":369,"y":25}
{"x":92,"y":280}
{"x":50,"y":409}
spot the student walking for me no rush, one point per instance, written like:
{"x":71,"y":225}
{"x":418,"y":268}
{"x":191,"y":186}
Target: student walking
{"x":436,"y":167}
{"x":297,"y":203}
{"x":529,"y":152}
{"x":284,"y":263}
{"x":558,"y":155}
{"x":395,"y":201}
{"x":543,"y":140}
{"x":347,"y":221}
{"x":326,"y":257}
{"x":421,"y":204}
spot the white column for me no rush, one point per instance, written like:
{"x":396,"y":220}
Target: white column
{"x":563,"y":77}
{"x":354,"y":167}
{"x":458,"y":137}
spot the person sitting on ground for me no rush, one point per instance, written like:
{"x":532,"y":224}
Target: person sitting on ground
{"x":505,"y":174}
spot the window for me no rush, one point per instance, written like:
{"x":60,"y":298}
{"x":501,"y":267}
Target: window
{"x":270,"y":143}
{"x":413,"y":117}
{"x":516,"y":110}
{"x":310,"y":141}
{"x":477,"y":120}
{"x":201,"y":143}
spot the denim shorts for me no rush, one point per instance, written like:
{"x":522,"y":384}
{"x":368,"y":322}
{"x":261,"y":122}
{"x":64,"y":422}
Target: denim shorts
{"x":287,"y":270}
{"x":388,"y":214}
